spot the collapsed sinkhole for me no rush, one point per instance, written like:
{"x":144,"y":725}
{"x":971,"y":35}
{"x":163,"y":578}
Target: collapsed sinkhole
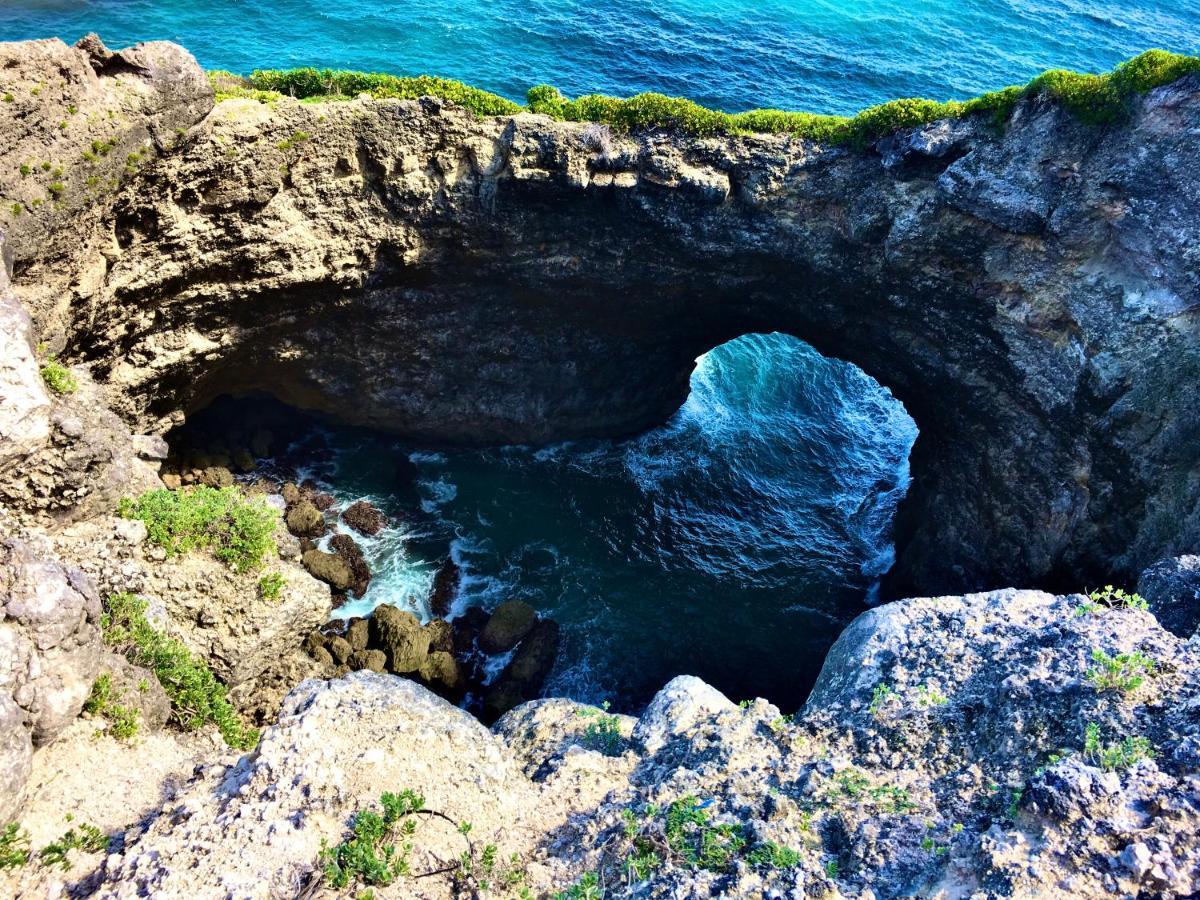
{"x":734,"y":542}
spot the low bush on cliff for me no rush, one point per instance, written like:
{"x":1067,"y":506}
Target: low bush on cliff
{"x":196,"y":696}
{"x":105,"y":700}
{"x":238,"y":530}
{"x":333,"y":83}
{"x":58,"y":377}
{"x":1095,"y":99}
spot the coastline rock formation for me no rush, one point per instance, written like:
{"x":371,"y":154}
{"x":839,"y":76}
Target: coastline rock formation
{"x":1025,"y":290}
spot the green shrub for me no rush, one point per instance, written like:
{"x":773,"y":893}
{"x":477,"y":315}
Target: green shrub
{"x":772,"y":856}
{"x":270,"y":586}
{"x":1113,"y":757}
{"x":586,"y":888}
{"x":368,"y":855}
{"x":1125,"y":672}
{"x":237,"y":530}
{"x":603,"y":734}
{"x":103,"y":702}
{"x":1110,"y":598}
{"x":881,"y":697}
{"x":14,"y":846}
{"x":58,"y":377}
{"x":197,"y":697}
{"x":88,"y":838}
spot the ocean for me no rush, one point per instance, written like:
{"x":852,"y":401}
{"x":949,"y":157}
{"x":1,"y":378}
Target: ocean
{"x":735,"y":541}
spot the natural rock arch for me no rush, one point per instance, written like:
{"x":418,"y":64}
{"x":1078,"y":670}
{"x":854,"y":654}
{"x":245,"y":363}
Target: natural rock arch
{"x":1029,"y":293}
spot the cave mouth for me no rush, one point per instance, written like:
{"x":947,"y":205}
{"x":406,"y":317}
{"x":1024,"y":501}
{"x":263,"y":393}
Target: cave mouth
{"x":734,"y":542}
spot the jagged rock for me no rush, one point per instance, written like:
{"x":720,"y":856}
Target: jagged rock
{"x":371,"y":660}
{"x":441,"y":671}
{"x":50,"y":649}
{"x":305,"y":520}
{"x":441,"y":635}
{"x":510,"y":622}
{"x":339,"y":648}
{"x":467,"y":629}
{"x":358,"y":633}
{"x":291,"y":493}
{"x":1171,"y":587}
{"x":216,"y":476}
{"x":399,"y":634}
{"x":525,"y":673}
{"x":445,"y":587}
{"x":677,"y":709}
{"x":364,"y":518}
{"x":329,"y":568}
{"x":347,"y":548}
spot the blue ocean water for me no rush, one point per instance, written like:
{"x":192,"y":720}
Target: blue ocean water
{"x":830,"y":56}
{"x":735,"y":541}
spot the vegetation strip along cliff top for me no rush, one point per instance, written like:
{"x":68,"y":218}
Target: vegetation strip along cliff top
{"x":1094,"y":99}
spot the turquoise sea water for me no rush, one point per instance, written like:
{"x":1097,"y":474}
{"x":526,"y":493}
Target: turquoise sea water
{"x":831,"y":56}
{"x":735,"y":541}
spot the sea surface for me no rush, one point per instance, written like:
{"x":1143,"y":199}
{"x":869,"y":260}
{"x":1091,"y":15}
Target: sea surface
{"x":828,"y":56}
{"x":735,"y":541}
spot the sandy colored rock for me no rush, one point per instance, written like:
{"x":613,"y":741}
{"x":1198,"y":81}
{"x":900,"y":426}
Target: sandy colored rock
{"x":400,"y":635}
{"x":305,"y":520}
{"x":329,"y":568}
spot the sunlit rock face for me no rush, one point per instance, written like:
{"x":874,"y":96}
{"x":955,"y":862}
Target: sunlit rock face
{"x":1028,"y":292}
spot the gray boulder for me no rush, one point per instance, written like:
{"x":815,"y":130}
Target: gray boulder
{"x":1172,"y":588}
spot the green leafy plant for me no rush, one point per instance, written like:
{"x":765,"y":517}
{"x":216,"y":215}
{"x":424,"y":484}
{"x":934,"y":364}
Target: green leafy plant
{"x":238,"y":530}
{"x":58,"y":377}
{"x":586,"y":888}
{"x":881,"y":697}
{"x":1110,"y":598}
{"x":270,"y":586}
{"x":300,"y":137}
{"x":329,"y":83}
{"x":699,"y":842}
{"x":772,"y":856}
{"x":14,"y":846}
{"x":25,"y":170}
{"x":1114,"y":757}
{"x":87,"y":838}
{"x":928,"y":695}
{"x":603,"y":734}
{"x":1125,"y":672}
{"x":103,"y":701}
{"x":197,"y":697}
{"x":831,"y":869}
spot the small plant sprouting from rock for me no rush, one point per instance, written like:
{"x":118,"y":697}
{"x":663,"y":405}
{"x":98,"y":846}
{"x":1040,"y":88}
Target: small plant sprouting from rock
{"x":880,"y":697}
{"x":1110,"y":598}
{"x":1125,"y":672}
{"x":58,"y":377}
{"x":16,"y":851}
{"x":928,"y":695}
{"x":196,"y":695}
{"x":103,"y":701}
{"x":831,"y":869}
{"x":14,"y":846}
{"x":603,"y":734}
{"x":1118,"y":756}
{"x":270,"y":586}
{"x":239,"y":531}
{"x":300,"y":137}
{"x":586,"y":888}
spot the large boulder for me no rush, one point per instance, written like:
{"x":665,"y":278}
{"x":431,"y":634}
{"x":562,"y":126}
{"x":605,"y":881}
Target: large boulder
{"x":400,"y":635}
{"x":347,"y":548}
{"x":305,"y":520}
{"x":329,"y":568}
{"x":1172,"y":589}
{"x":50,"y":652}
{"x":510,"y":622}
{"x":526,"y":672}
{"x":364,"y":518}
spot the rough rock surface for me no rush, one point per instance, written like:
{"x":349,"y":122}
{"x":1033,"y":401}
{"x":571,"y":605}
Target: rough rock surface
{"x":1172,"y":589}
{"x":967,"y":777}
{"x":50,"y":652}
{"x":1027,"y":292}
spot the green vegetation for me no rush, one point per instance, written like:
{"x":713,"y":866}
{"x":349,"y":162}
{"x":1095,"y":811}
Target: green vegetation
{"x":103,"y":148}
{"x":14,"y":846}
{"x":58,"y":377}
{"x":16,"y":209}
{"x":25,"y":170}
{"x":697,"y":841}
{"x":1113,"y":757}
{"x":586,"y":888}
{"x":928,"y":695}
{"x":103,"y":701}
{"x":88,"y":838}
{"x":1125,"y":672}
{"x":196,"y":695}
{"x":770,"y":855}
{"x":236,"y":529}
{"x":270,"y":586}
{"x":1094,"y":99}
{"x":368,"y":855}
{"x":300,"y":137}
{"x":57,"y":189}
{"x":1110,"y":598}
{"x":880,"y":697}
{"x":854,"y":784}
{"x":831,"y":869}
{"x":9,"y":98}
{"x":603,"y":734}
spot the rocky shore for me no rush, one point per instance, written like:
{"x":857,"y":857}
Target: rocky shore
{"x":180,"y":716}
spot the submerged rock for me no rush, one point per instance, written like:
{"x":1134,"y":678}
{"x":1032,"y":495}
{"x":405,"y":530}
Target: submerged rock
{"x":526,"y":672}
{"x":510,"y":622}
{"x":446,"y":582}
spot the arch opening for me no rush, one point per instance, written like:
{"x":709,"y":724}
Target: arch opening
{"x":733,"y":542}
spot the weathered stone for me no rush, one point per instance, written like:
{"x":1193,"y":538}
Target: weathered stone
{"x":467,"y":628}
{"x":347,"y":548}
{"x":137,"y":688}
{"x":291,"y":493}
{"x":525,"y":673}
{"x":399,"y":634}
{"x":441,"y":671}
{"x":371,"y":660}
{"x":441,"y":635}
{"x":329,"y":568}
{"x":364,"y":518}
{"x":305,"y":520}
{"x":510,"y":622}
{"x":358,"y":633}
{"x":340,"y":649}
{"x":1171,"y":587}
{"x":445,"y":587}
{"x":216,"y":476}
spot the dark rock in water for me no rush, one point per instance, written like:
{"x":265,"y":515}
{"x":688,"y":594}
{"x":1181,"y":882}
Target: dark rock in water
{"x":358,"y":633}
{"x":322,"y":501}
{"x":371,"y":660}
{"x":445,"y":588}
{"x":339,"y":648}
{"x":1172,"y":589}
{"x":261,"y":443}
{"x":243,"y":460}
{"x":442,"y":672}
{"x":329,"y":568}
{"x":364,"y":518}
{"x":467,"y":629}
{"x":305,"y":520}
{"x":307,"y":544}
{"x":441,"y":635}
{"x":526,"y":672}
{"x":400,"y":635}
{"x":347,"y":548}
{"x":511,"y":621}
{"x":313,"y":640}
